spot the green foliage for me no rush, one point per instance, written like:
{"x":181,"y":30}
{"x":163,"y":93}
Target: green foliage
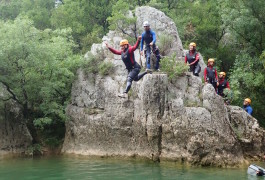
{"x":42,"y":122}
{"x":97,"y":65}
{"x":38,"y":10}
{"x":37,"y":68}
{"x":245,"y":20}
{"x":247,"y":79}
{"x":229,"y":95}
{"x":92,"y":37}
{"x":34,"y":149}
{"x":172,"y":67}
{"x":165,"y":44}
{"x":106,"y":68}
{"x":87,"y":19}
{"x":53,"y":142}
{"x":121,"y":20}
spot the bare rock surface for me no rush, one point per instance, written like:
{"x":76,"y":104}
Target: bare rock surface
{"x":179,"y":120}
{"x":15,"y":137}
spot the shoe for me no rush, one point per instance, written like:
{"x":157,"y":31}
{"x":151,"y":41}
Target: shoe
{"x":123,"y":95}
{"x":158,"y":70}
{"x":149,"y":71}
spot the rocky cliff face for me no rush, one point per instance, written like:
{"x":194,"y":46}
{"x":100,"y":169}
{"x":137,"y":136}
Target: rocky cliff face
{"x":179,"y":120}
{"x":15,"y":137}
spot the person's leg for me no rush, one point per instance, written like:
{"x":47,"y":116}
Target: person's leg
{"x":197,"y":70}
{"x":140,"y":76}
{"x":158,"y":57}
{"x":131,"y":76}
{"x":148,"y":57}
{"x":214,"y":85}
{"x":128,"y":85}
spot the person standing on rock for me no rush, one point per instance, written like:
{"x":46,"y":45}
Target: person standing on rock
{"x":192,"y":57}
{"x":247,"y":107}
{"x":223,"y":83}
{"x":149,"y":37}
{"x":210,"y":74}
{"x":127,"y":56}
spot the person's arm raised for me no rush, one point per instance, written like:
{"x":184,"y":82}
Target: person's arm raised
{"x":114,"y":51}
{"x":133,"y":48}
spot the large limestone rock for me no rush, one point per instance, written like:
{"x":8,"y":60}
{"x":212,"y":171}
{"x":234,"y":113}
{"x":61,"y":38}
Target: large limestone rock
{"x":179,"y":120}
{"x":160,"y":120}
{"x":247,"y":130}
{"x":15,"y":137}
{"x":160,"y":23}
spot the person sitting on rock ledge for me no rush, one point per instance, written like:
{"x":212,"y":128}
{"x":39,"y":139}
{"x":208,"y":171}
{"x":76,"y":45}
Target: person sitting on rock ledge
{"x":247,"y":107}
{"x":210,"y":74}
{"x":223,"y":83}
{"x":192,"y":57}
{"x":127,"y":56}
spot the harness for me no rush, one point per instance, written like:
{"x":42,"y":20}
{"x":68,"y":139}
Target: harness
{"x":191,"y":58}
{"x":127,"y":60}
{"x":211,"y":75}
{"x":222,"y":86}
{"x":148,"y":37}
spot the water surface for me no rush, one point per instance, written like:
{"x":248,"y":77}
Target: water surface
{"x":82,"y":167}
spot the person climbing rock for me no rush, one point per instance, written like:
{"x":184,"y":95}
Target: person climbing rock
{"x":149,"y":37}
{"x":223,"y":83}
{"x":127,"y":56}
{"x":192,"y":57}
{"x":247,"y":107}
{"x":210,"y":74}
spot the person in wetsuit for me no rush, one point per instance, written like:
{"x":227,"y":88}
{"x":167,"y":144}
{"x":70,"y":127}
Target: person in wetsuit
{"x":210,"y":74}
{"x":193,"y":57}
{"x":127,"y":56}
{"x":223,"y":84}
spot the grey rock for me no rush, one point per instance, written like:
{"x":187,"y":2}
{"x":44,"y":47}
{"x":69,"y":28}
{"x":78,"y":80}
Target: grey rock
{"x":248,"y":132}
{"x":161,"y":24}
{"x":15,"y":137}
{"x":179,"y":120}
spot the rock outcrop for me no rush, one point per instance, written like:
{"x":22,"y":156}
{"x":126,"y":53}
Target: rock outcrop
{"x":15,"y":137}
{"x":178,"y":120}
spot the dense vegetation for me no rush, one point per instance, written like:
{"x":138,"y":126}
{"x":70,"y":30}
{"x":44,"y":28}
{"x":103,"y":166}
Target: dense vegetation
{"x":42,"y":46}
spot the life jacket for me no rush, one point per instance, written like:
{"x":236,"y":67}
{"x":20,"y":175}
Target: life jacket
{"x":129,"y":63}
{"x":221,"y":87}
{"x":191,"y":58}
{"x":148,"y":37}
{"x":211,"y":74}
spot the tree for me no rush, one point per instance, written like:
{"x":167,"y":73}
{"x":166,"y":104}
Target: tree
{"x":84,"y":18}
{"x":247,"y":79}
{"x":122,"y":21}
{"x":38,"y":10}
{"x":246,"y":21}
{"x":37,"y":69}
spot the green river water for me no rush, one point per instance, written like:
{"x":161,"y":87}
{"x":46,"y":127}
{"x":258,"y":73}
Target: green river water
{"x":81,"y":167}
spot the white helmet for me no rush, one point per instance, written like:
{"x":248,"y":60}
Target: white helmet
{"x":146,"y":23}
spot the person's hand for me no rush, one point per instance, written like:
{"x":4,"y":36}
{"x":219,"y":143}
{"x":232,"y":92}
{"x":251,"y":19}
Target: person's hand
{"x":107,"y":45}
{"x":151,"y":44}
{"x":142,"y":52}
{"x":217,"y":83}
{"x":139,"y":38}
